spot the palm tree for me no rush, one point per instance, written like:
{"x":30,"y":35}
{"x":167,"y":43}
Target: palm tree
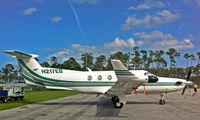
{"x":136,"y":60}
{"x":159,"y":59}
{"x":198,"y":57}
{"x":192,"y":58}
{"x":186,"y":56}
{"x":144,"y":58}
{"x":151,"y":57}
{"x":172,"y":54}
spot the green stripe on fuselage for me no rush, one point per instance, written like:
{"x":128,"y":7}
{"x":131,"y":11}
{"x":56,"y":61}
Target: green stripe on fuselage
{"x":49,"y":79}
{"x":38,"y":83}
{"x":55,"y":80}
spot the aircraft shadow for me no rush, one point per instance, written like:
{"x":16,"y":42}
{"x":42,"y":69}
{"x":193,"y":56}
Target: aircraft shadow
{"x":131,"y":102}
{"x":104,"y":105}
{"x":68,"y":103}
{"x":105,"y":108}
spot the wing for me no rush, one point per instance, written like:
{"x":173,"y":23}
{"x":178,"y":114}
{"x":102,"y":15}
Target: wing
{"x":127,"y":81}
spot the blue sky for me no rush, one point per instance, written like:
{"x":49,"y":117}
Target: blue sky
{"x":66,"y":28}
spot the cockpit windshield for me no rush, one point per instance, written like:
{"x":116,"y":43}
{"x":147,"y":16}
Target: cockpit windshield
{"x":149,"y":74}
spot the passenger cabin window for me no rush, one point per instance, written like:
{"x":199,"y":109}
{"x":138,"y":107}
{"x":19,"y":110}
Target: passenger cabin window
{"x":99,"y":77}
{"x":89,"y":77}
{"x":109,"y":77}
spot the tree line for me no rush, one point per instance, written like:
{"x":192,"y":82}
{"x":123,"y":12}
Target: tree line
{"x":152,"y":61}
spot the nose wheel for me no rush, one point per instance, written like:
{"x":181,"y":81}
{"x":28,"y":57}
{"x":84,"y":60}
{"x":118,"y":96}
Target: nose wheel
{"x":116,"y":102}
{"x":162,"y":100}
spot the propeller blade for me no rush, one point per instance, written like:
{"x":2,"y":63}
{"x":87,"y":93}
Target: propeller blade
{"x":188,"y":77}
{"x":184,"y":90}
{"x":189,"y":74}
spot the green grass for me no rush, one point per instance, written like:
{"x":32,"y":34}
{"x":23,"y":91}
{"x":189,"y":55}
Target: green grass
{"x":36,"y":96}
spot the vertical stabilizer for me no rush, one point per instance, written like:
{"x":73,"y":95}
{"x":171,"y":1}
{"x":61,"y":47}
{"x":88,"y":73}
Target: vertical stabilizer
{"x":28,"y":66}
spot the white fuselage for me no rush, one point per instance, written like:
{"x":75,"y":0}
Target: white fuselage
{"x":90,"y":81}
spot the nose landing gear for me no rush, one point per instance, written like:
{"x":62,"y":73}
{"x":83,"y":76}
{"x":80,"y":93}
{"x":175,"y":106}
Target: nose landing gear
{"x":162,"y":100}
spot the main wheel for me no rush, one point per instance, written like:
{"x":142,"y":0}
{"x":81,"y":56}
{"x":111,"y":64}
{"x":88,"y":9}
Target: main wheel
{"x":118,"y":104}
{"x":115,"y":99}
{"x":162,"y":102}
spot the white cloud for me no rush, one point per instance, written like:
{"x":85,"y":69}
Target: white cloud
{"x":154,"y":35}
{"x":140,"y":43}
{"x":76,"y":50}
{"x":56,"y":19}
{"x":148,"y":5}
{"x":119,"y":44}
{"x":179,"y":45}
{"x":29,"y":11}
{"x":92,"y":2}
{"x":162,"y":17}
{"x":164,"y":41}
{"x":132,"y":21}
{"x":160,"y":40}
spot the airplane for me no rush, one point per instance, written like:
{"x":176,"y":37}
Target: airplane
{"x":115,"y":84}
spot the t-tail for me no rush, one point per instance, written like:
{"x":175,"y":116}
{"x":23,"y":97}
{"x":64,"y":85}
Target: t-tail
{"x":29,"y":67}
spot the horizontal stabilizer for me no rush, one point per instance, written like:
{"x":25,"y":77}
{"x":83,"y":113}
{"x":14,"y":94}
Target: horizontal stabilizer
{"x":21,"y":55}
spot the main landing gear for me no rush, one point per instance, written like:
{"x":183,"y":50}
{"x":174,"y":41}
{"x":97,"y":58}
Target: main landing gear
{"x":116,"y":102}
{"x":162,"y":100}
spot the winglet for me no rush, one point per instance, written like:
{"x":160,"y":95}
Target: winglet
{"x":117,"y":65}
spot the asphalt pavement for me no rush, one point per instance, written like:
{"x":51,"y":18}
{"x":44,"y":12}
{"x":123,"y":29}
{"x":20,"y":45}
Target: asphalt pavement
{"x":90,"y":107}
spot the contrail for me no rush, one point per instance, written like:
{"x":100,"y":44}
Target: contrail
{"x":77,"y":18}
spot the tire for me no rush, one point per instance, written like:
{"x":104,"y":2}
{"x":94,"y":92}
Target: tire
{"x":5,"y":100}
{"x":22,"y":98}
{"x":118,"y":105}
{"x":162,"y":102}
{"x":115,"y":99}
{"x":17,"y":98}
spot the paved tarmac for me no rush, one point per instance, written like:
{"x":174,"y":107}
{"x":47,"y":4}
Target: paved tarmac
{"x":88,"y":107}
